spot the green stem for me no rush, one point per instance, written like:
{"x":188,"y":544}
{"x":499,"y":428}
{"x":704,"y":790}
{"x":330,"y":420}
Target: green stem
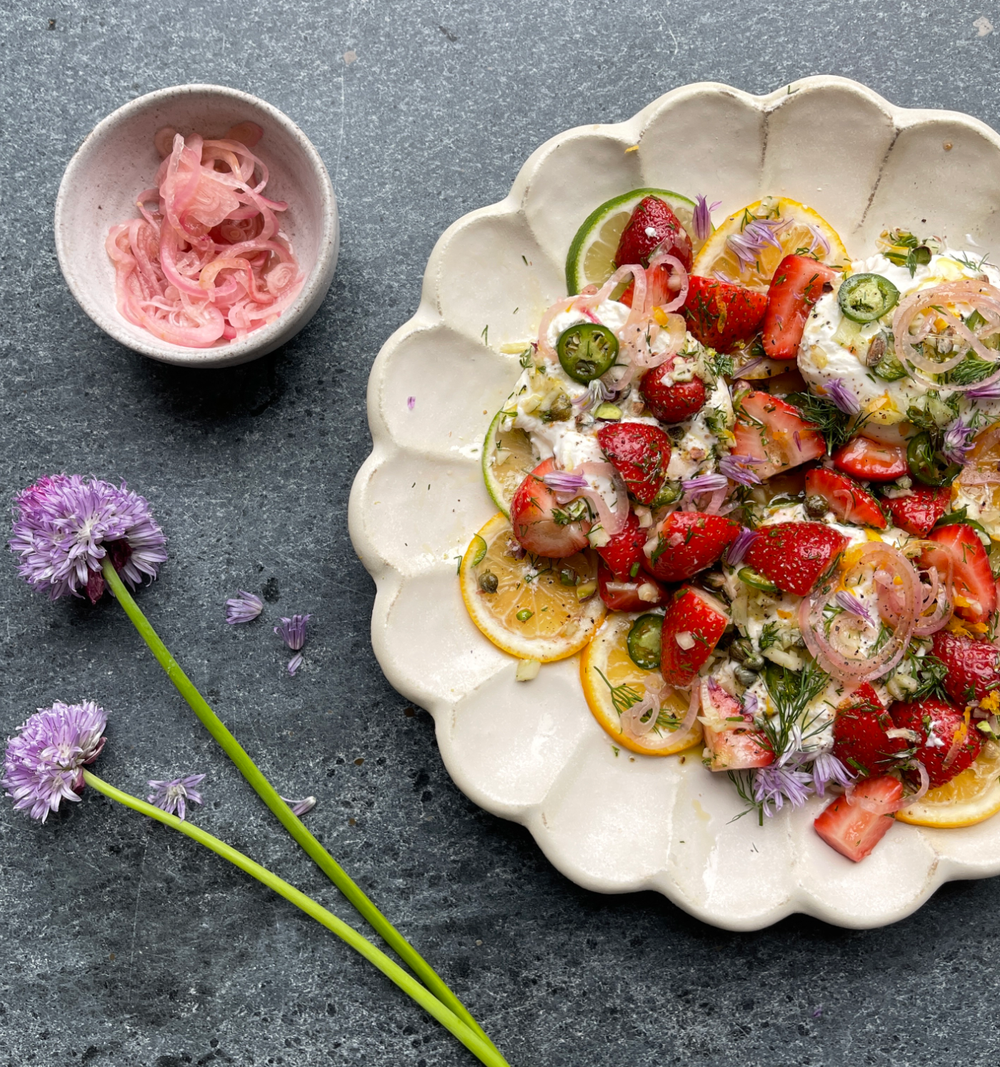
{"x":340,"y":878}
{"x":472,"y":1041}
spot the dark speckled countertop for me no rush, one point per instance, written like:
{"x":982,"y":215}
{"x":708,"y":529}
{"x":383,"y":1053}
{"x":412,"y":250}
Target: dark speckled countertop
{"x":125,"y":944}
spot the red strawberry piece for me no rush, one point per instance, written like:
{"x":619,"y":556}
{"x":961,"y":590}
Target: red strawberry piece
{"x":795,"y":555}
{"x":772,"y":431}
{"x":973,"y":666}
{"x":975,"y":589}
{"x":797,"y":284}
{"x":688,"y":542}
{"x":733,"y":741}
{"x":844,"y":497}
{"x":948,"y":741}
{"x":668,"y":400}
{"x":851,"y":826}
{"x":640,"y":453}
{"x":623,"y":553}
{"x":719,"y":314}
{"x":919,"y":509}
{"x":692,"y":625}
{"x":653,"y":227}
{"x":636,"y":594}
{"x":871,"y":460}
{"x":860,"y":734}
{"x":538,"y":520}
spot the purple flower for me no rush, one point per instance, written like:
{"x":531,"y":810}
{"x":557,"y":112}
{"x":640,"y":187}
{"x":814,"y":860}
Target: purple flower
{"x":756,"y":236}
{"x":173,"y":796}
{"x":300,"y":807}
{"x":64,"y":526}
{"x":245,"y":607}
{"x":843,"y":397}
{"x":704,"y":483}
{"x":827,"y":768}
{"x":294,"y":663}
{"x":817,"y":240}
{"x":737,"y":549}
{"x":991,"y":391}
{"x":597,"y":392}
{"x":779,"y":783}
{"x":44,"y":763}
{"x":740,"y":468}
{"x":751,"y":705}
{"x":854,"y":606}
{"x":411,"y":402}
{"x":293,"y":632}
{"x":957,"y":442}
{"x":565,"y":483}
{"x":703,"y":217}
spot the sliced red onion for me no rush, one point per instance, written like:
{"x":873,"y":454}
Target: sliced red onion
{"x":678,"y":271}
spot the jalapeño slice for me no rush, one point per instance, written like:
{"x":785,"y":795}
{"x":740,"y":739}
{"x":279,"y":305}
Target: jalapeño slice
{"x":866,"y":297}
{"x":586,"y":351}
{"x":925,"y":463}
{"x":644,"y":641}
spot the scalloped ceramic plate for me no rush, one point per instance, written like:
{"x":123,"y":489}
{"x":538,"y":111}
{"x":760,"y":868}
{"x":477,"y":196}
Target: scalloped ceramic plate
{"x":532,"y":752}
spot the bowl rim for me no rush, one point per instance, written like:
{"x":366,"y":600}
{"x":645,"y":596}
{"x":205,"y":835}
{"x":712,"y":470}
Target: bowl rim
{"x":261,"y":341}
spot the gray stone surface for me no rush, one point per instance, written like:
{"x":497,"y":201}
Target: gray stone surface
{"x":123,"y":943}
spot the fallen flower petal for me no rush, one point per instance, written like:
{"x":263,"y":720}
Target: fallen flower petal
{"x":244,"y":607}
{"x":293,"y":631}
{"x":173,"y":796}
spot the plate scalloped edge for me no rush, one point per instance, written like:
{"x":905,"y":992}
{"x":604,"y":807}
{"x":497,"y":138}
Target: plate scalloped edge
{"x":532,"y":753}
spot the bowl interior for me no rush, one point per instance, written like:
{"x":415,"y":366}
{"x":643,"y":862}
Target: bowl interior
{"x":118,"y":160}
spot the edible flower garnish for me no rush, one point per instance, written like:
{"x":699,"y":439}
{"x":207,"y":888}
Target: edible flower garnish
{"x":173,"y":796}
{"x":737,"y":550}
{"x":957,"y":441}
{"x":755,"y":237}
{"x":704,"y":483}
{"x":740,"y":468}
{"x":564,"y":483}
{"x":853,"y":605}
{"x":703,"y":217}
{"x":842,"y":396}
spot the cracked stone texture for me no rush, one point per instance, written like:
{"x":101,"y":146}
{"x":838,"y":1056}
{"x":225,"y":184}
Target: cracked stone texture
{"x":127,"y":944}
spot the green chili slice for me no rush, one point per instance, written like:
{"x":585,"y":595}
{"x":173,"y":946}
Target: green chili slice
{"x":586,"y":351}
{"x":866,"y":297}
{"x":750,"y":577}
{"x":925,"y":464}
{"x":644,"y":641}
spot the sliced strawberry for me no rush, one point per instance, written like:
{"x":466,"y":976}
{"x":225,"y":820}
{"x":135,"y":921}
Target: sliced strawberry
{"x":975,"y":589}
{"x":640,"y":453}
{"x":844,"y":497}
{"x":973,"y":666}
{"x":797,"y":284}
{"x":919,"y":509}
{"x":948,"y":742}
{"x":795,"y":555}
{"x":770,"y":430}
{"x":733,"y":741}
{"x":623,"y":553}
{"x":671,"y":401}
{"x":688,"y":542}
{"x":719,"y":314}
{"x":871,"y":460}
{"x":692,"y":625}
{"x":860,"y":734}
{"x":636,"y":594}
{"x":540,"y":524}
{"x":653,"y":227}
{"x":851,"y":826}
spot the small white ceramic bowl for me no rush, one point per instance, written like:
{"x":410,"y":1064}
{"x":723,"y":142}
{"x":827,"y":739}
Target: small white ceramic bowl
{"x":118,"y":160}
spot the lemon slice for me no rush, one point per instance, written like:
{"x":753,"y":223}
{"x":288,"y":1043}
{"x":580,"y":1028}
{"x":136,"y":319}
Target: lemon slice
{"x":970,"y":487}
{"x":591,"y":256}
{"x":533,"y":608}
{"x":804,"y":232}
{"x":507,"y":461}
{"x":970,"y":797}
{"x":612,"y":682}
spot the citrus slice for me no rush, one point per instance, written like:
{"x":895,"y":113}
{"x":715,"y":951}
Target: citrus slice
{"x":970,"y":797}
{"x":507,"y":461}
{"x":977,"y":484}
{"x":533,"y":608}
{"x":590,"y":260}
{"x":612,"y":683}
{"x":795,"y":228}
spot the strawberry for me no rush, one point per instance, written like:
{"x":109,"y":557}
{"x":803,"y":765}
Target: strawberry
{"x":540,"y":524}
{"x":733,"y":741}
{"x":640,"y":453}
{"x":719,"y":313}
{"x":637,"y":594}
{"x":770,"y":430}
{"x":688,"y":542}
{"x":871,"y":460}
{"x":692,"y":625}
{"x":653,"y":227}
{"x":844,"y":497}
{"x":850,"y":825}
{"x":671,"y":401}
{"x":797,"y":284}
{"x":623,"y":553}
{"x":973,"y":666}
{"x":919,"y":509}
{"x":860,"y":739}
{"x":975,"y":589}
{"x":795,"y":555}
{"x":948,"y":742}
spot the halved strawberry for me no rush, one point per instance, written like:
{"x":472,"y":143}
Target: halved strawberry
{"x":973,"y":666}
{"x":671,"y":401}
{"x":872,"y":461}
{"x":687,"y":542}
{"x":653,"y":227}
{"x":919,"y":509}
{"x":692,"y":625}
{"x":623,"y":553}
{"x":797,"y":284}
{"x":733,"y":741}
{"x":542,"y":525}
{"x":975,"y":589}
{"x":640,"y":453}
{"x":770,"y":430}
{"x":851,"y":826}
{"x":860,"y":734}
{"x":795,"y":555}
{"x":636,"y":594}
{"x":844,"y":497}
{"x":948,"y":741}
{"x":719,"y":314}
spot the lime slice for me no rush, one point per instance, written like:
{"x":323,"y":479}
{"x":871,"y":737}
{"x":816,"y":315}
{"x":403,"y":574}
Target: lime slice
{"x":507,"y":461}
{"x":591,"y":255}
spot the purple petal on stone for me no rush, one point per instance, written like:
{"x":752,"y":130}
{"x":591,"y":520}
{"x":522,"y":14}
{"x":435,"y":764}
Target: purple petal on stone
{"x":740,"y":468}
{"x":293,"y":631}
{"x":737,"y":549}
{"x":843,"y":396}
{"x":245,"y":607}
{"x":854,"y":606}
{"x":300,"y":807}
{"x":294,"y":663}
{"x":173,"y":796}
{"x":957,"y":442}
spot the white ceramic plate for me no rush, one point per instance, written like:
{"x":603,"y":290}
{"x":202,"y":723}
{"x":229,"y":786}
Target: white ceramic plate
{"x":532,"y":752}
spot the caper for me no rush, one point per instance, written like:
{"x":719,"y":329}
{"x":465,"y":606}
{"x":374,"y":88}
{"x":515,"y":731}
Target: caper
{"x":560,"y":409}
{"x":744,"y":675}
{"x":816,"y":507}
{"x":488,"y":582}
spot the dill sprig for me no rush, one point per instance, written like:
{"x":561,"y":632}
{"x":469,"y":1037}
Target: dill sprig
{"x":836,"y":427}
